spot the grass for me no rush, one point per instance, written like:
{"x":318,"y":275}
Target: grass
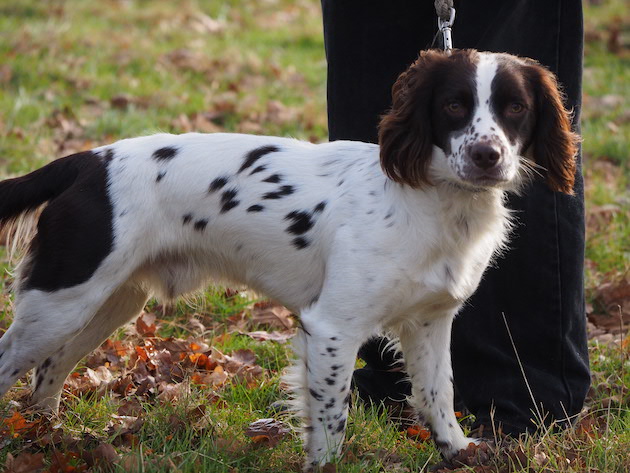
{"x":75,"y":74}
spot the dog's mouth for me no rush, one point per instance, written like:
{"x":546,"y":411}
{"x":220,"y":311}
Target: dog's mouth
{"x":485,"y":178}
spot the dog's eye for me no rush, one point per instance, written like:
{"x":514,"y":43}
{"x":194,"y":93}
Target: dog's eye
{"x":515,"y":108}
{"x":455,"y":108}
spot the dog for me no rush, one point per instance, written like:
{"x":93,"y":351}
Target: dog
{"x":356,"y":238}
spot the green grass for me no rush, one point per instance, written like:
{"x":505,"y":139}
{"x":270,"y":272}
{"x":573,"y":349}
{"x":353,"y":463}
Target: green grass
{"x":77,"y":74}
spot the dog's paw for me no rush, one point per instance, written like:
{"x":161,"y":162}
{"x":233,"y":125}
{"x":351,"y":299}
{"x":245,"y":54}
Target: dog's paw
{"x":477,"y":452}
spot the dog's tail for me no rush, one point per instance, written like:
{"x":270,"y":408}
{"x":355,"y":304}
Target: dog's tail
{"x":20,"y":196}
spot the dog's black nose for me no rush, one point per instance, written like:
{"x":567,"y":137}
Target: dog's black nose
{"x":484,"y":155}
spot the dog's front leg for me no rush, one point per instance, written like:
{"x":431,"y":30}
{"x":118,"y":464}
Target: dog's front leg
{"x":426,"y":350}
{"x":328,"y":353}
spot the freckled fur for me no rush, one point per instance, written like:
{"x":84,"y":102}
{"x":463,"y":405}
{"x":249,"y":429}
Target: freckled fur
{"x":307,"y":238}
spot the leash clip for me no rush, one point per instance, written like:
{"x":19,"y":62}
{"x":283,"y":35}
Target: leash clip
{"x":445,"y":27}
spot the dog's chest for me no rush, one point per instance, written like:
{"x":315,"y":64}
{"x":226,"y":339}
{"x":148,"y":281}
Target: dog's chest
{"x":444,"y":267}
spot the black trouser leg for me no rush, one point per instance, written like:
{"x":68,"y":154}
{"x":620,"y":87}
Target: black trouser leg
{"x":538,"y":284}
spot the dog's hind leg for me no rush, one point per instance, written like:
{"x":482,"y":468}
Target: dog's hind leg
{"x":426,"y":350}
{"x":49,"y":376}
{"x":46,"y":320}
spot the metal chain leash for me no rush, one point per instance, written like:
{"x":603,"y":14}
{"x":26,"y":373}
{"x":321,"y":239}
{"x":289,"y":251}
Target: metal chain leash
{"x":446,"y":16}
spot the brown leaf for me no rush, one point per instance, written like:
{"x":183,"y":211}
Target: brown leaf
{"x":329,"y":468}
{"x":6,"y":73}
{"x":269,"y":431}
{"x":123,"y":429}
{"x":276,"y":336}
{"x":24,"y":463}
{"x":99,"y":376}
{"x":176,"y":423}
{"x":130,"y":407}
{"x":195,"y":326}
{"x":202,"y":23}
{"x":145,"y":325}
{"x":62,"y":462}
{"x":272,"y":315}
{"x":171,"y":392}
{"x":103,"y":456}
{"x":15,"y":424}
{"x":196,"y":413}
{"x":243,"y":356}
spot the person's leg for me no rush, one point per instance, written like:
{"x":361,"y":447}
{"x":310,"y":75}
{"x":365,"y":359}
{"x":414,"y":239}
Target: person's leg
{"x":368,"y":44}
{"x":538,"y":284}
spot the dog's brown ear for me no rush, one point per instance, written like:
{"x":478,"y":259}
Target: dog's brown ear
{"x":554,"y":145}
{"x":405,"y":131}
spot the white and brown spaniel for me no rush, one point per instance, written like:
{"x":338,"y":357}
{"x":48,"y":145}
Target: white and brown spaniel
{"x":357,"y":238}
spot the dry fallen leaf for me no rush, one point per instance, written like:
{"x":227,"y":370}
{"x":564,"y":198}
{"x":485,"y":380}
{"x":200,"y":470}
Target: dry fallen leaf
{"x":145,"y":325}
{"x":269,"y":431}
{"x":24,"y":463}
{"x":418,"y":433}
{"x":269,"y":314}
{"x":104,"y":456}
{"x":276,"y":336}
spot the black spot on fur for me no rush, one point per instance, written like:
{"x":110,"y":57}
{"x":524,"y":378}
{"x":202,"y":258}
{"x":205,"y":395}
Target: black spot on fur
{"x":228,"y":200}
{"x":258,"y":169}
{"x":187,"y":218}
{"x":302,"y":222}
{"x":255,"y":208}
{"x":160,"y":176}
{"x":320,"y":207}
{"x":300,"y":243}
{"x":109,"y":155}
{"x":280,"y":193}
{"x":330,"y":403}
{"x":46,"y":363}
{"x":274,"y":179}
{"x":341,"y":426}
{"x":38,"y":383}
{"x":255,"y":154}
{"x":217,"y":184}
{"x":316,"y":395}
{"x":200,"y":225}
{"x":16,"y":371}
{"x":165,"y":154}
{"x":335,"y":367}
{"x":229,"y":205}
{"x":329,"y":381}
{"x":347,"y":399}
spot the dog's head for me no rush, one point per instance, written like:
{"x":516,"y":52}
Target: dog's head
{"x":495,"y":117}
